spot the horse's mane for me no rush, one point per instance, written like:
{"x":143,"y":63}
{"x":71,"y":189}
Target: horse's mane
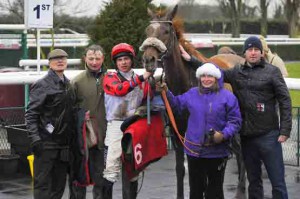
{"x":178,"y":25}
{"x":179,"y":29}
{"x":221,"y":61}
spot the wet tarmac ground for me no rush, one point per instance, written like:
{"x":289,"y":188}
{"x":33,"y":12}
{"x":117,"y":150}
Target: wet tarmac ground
{"x":159,"y":182}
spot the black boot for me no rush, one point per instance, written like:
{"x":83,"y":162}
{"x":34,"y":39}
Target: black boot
{"x":107,"y":189}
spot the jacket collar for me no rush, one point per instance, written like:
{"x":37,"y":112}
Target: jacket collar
{"x":96,"y":74}
{"x":260,"y":64}
{"x":55,"y":77}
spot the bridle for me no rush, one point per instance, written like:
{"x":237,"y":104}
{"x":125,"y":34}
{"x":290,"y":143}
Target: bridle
{"x":170,"y":44}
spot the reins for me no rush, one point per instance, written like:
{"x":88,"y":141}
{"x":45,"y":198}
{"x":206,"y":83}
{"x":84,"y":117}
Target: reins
{"x":170,"y":45}
{"x":173,"y":122}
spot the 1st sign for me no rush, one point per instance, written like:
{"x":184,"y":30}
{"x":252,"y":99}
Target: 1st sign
{"x":39,"y":13}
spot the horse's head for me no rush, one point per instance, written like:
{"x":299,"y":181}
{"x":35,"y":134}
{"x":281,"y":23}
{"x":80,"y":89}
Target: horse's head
{"x":161,"y":38}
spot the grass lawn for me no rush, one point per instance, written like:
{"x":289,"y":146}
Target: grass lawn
{"x":294,"y":72}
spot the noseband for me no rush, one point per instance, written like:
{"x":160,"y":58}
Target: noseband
{"x":171,"y":42}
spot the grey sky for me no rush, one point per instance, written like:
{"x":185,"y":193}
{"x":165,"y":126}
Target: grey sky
{"x":91,"y":7}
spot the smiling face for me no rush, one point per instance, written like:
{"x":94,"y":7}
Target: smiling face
{"x":94,"y":60}
{"x":207,"y":81}
{"x":58,"y":64}
{"x":253,"y":55}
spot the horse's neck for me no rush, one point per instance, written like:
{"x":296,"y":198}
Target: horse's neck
{"x":177,"y":74}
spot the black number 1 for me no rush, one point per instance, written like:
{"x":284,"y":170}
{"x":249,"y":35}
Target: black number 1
{"x":37,"y":9}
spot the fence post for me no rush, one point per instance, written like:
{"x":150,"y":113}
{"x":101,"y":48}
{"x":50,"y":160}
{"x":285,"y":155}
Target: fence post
{"x":298,"y":137}
{"x":25,"y":56}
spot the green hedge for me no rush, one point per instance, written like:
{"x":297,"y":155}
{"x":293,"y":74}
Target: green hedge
{"x":275,"y":27}
{"x":286,"y":52}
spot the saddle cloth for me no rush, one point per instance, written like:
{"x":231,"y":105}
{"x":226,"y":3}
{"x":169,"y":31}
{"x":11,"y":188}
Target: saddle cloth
{"x":142,"y":143}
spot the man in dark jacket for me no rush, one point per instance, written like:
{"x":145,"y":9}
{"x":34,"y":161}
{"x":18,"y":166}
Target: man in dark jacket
{"x":258,"y":86}
{"x":90,"y":99}
{"x":49,"y":120}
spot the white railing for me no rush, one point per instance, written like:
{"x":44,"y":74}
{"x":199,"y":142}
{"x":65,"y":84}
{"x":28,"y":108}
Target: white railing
{"x":45,"y":62}
{"x":202,"y":40}
{"x":30,"y":77}
{"x":210,"y":40}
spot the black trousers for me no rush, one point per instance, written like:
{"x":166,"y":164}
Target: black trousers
{"x":50,"y":174}
{"x":96,"y":164}
{"x":206,"y":177}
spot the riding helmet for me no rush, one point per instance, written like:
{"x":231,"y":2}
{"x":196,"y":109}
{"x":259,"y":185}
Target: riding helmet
{"x":122,"y":49}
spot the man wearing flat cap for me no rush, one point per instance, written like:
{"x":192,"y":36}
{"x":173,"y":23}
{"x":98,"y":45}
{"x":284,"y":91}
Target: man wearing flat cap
{"x":258,"y":86}
{"x":50,"y":123}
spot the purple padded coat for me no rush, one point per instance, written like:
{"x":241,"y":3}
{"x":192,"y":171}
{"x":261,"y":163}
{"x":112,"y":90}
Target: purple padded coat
{"x":214,"y":110}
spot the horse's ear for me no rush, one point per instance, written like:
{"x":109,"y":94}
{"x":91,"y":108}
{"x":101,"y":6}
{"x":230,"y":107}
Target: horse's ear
{"x":172,"y":14}
{"x":150,"y":13}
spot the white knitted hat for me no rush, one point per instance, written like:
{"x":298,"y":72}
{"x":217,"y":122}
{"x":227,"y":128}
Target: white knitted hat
{"x":208,"y":69}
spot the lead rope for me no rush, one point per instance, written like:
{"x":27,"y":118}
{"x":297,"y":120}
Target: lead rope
{"x":172,"y":119}
{"x":148,"y":106}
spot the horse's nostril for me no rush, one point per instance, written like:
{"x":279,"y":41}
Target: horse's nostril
{"x":153,"y":59}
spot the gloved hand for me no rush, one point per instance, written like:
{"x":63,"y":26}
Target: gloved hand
{"x":161,"y":86}
{"x":218,"y":137}
{"x":37,"y":148}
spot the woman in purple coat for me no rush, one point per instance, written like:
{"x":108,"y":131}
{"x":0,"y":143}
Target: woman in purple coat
{"x":214,"y":119}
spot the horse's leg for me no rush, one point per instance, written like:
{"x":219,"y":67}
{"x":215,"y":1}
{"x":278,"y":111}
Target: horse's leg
{"x":237,"y":150}
{"x":180,"y":170}
{"x":129,"y":188}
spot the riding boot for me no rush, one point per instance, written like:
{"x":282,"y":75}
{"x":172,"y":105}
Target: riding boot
{"x":107,"y":189}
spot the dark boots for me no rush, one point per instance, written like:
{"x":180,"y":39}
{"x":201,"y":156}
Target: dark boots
{"x":107,"y":189}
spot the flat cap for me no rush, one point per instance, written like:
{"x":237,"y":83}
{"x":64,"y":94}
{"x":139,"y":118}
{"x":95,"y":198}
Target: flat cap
{"x":57,"y":53}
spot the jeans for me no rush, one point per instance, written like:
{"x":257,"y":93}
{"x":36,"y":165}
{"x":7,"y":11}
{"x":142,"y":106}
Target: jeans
{"x":264,"y":149}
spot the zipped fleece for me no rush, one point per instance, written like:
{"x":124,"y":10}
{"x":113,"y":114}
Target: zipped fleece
{"x":90,"y":97}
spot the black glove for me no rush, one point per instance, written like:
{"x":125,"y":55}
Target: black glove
{"x":37,"y":148}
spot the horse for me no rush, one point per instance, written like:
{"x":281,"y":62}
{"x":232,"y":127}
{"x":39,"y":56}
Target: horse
{"x":161,"y":48}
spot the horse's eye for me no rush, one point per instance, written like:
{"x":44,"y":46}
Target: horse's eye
{"x":166,"y":32}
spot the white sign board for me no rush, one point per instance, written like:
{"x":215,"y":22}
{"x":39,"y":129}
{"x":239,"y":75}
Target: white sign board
{"x":39,"y":13}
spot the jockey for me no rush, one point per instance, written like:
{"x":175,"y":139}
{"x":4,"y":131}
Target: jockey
{"x":124,"y":92}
